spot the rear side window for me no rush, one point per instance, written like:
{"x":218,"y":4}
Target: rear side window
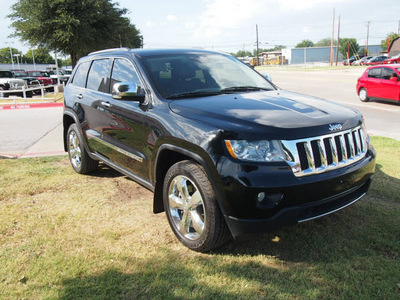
{"x":81,"y":74}
{"x":99,"y":76}
{"x":387,"y":73}
{"x":375,"y":73}
{"x":123,"y":71}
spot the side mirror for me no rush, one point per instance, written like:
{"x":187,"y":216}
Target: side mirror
{"x":394,"y":79}
{"x":128,"y":91}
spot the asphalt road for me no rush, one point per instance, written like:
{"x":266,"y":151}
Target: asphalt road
{"x":382,"y":118}
{"x":31,"y":132}
{"x":38,"y":131}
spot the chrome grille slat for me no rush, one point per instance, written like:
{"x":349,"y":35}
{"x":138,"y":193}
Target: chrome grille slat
{"x":324,"y":153}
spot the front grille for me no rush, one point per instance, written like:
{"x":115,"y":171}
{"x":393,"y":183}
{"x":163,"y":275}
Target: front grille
{"x":320,"y":154}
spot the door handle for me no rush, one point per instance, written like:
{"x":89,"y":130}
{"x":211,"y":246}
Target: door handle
{"x":80,"y":96}
{"x":105,"y":104}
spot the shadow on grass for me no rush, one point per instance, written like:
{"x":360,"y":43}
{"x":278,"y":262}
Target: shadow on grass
{"x":104,"y":171}
{"x":351,"y":254}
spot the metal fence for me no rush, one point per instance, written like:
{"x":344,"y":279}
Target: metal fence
{"x":42,"y":94}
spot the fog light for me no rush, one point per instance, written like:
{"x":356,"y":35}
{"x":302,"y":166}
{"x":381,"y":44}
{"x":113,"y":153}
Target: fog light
{"x":261,"y":197}
{"x":267,"y":201}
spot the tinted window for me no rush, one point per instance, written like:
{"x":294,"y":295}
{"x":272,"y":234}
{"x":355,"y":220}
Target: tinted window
{"x":99,"y":76}
{"x":387,"y":73}
{"x":201,"y":73}
{"x":5,"y":74}
{"x":81,"y":74}
{"x":123,"y":71}
{"x":374,"y":73}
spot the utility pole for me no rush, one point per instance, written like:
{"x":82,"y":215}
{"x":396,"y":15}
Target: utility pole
{"x":257,"y":43}
{"x":333,"y":36}
{"x":337,"y":45}
{"x":366,"y":46}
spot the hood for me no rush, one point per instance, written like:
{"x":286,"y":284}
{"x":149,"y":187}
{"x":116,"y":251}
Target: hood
{"x":272,"y":114}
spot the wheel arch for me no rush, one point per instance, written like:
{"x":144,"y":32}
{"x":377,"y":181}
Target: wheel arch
{"x":68,"y":119}
{"x":167,"y":156}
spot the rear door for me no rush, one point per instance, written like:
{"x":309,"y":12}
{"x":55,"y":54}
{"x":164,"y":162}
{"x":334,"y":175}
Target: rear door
{"x":389,"y":89}
{"x":373,"y":82}
{"x":124,"y":129}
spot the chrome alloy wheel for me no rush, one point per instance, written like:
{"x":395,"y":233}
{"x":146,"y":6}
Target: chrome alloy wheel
{"x":74,"y":150}
{"x":363,"y":94}
{"x":186,"y":207}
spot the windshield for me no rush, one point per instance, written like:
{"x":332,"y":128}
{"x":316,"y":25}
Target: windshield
{"x":19,"y":73}
{"x":193,"y":74}
{"x":37,"y":74}
{"x":5,"y":74}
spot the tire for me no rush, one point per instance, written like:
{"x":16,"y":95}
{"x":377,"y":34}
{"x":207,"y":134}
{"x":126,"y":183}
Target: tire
{"x":192,"y":209}
{"x":363,"y":94}
{"x":78,"y":156}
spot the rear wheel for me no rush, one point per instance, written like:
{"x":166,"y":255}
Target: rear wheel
{"x":78,"y":156}
{"x":192,"y":209}
{"x":363,"y":94}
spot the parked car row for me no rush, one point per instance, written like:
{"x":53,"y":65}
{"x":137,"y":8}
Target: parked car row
{"x":372,"y":60}
{"x":17,"y":79}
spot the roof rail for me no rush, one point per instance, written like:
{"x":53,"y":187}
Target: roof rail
{"x":109,"y":50}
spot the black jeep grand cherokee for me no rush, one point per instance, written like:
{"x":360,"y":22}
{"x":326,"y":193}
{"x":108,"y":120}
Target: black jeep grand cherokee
{"x":225,"y":152}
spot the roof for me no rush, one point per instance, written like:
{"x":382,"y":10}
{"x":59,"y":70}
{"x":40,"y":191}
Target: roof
{"x":150,"y":52}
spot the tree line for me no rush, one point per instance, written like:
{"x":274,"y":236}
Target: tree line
{"x":38,"y":56}
{"x":73,"y":27}
{"x":345,"y":44}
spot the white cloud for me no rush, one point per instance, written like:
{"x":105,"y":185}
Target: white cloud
{"x":172,"y":18}
{"x":150,"y":24}
{"x":305,"y":4}
{"x":224,"y":14}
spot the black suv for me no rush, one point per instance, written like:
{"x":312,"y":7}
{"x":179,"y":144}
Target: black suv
{"x":225,"y":152}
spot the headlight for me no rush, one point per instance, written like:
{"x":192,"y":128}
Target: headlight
{"x":266,"y":151}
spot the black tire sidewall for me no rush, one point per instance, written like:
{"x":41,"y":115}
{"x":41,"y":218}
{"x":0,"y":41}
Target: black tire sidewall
{"x":88,"y":164}
{"x":186,"y":168}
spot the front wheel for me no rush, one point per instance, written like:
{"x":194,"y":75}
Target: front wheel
{"x":363,"y":95}
{"x":79,"y":158}
{"x":192,"y":209}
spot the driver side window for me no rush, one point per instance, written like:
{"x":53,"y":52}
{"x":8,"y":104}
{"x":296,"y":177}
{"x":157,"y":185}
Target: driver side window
{"x":123,"y":71}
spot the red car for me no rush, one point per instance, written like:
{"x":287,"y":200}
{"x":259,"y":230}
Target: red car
{"x":393,"y":60}
{"x":380,"y":82}
{"x":43,"y":77}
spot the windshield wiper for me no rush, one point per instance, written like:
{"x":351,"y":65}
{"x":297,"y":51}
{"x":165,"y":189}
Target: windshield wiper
{"x":193,"y":94}
{"x":243,"y":89}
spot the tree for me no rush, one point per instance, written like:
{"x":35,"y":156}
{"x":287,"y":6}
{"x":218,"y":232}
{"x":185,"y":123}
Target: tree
{"x":344,"y":47}
{"x":391,"y":36}
{"x":41,"y":56}
{"x":5,"y":55}
{"x":73,"y":27}
{"x":242,"y":53}
{"x":326,"y":42}
{"x":304,"y":44}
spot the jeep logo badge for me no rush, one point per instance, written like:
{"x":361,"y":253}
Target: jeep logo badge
{"x":335,"y":127}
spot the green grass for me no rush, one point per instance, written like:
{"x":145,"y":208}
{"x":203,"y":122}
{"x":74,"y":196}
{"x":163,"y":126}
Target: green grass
{"x":70,"y":236}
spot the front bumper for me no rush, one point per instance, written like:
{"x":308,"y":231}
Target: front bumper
{"x":296,"y":214}
{"x":288,"y":200}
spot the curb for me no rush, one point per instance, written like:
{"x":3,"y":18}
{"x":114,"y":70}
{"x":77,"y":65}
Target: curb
{"x":35,"y":154}
{"x":31,"y":105}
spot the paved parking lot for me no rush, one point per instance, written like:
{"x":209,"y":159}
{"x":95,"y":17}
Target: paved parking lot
{"x":38,"y":132}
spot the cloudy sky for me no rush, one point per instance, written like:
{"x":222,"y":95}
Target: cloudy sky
{"x":230,"y":25}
